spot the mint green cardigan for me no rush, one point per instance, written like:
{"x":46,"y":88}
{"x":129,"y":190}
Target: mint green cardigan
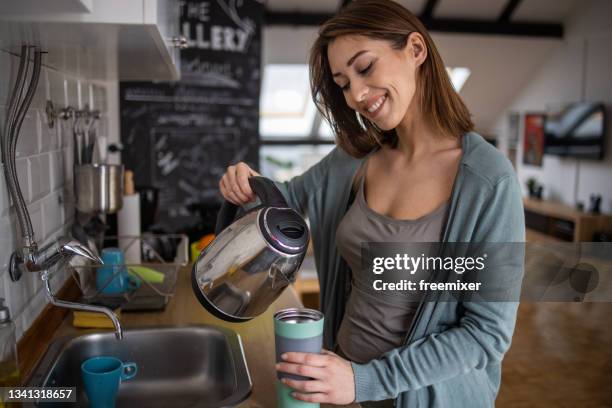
{"x":453,"y":351}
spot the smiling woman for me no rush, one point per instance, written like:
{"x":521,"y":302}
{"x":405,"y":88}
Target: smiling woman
{"x":383,"y":36}
{"x":407,"y":169}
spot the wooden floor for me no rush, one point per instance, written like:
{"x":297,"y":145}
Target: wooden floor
{"x":561,"y":356}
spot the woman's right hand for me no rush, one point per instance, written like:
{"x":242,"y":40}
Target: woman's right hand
{"x":234,"y":184}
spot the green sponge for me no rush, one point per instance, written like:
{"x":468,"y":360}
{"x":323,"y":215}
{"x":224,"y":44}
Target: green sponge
{"x":146,"y":274}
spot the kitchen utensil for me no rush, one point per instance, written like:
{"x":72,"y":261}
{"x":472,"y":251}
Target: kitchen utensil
{"x":99,"y":188}
{"x":102,"y":145}
{"x":77,"y":147}
{"x":90,"y":135}
{"x":253,"y":258}
{"x":102,"y":376}
{"x":112,"y":277}
{"x":298,"y":330}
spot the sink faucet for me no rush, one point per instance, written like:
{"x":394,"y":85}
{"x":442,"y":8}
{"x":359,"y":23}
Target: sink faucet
{"x":65,"y":249}
{"x":82,"y":306}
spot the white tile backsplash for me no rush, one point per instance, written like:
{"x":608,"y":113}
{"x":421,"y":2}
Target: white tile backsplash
{"x":27,"y":144}
{"x":31,"y":311}
{"x":68,"y":162}
{"x":2,"y":273}
{"x":52,"y":213}
{"x":48,"y":137}
{"x":71,"y":94}
{"x":19,"y":294}
{"x":44,"y":167}
{"x":7,"y":242}
{"x":39,"y":176}
{"x":5,"y":79}
{"x":56,"y":88}
{"x":23,"y":177}
{"x":45,"y":173}
{"x":35,"y":210}
{"x":4,"y":197}
{"x":56,"y":169}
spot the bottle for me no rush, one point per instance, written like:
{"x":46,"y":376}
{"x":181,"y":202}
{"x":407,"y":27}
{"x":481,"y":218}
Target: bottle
{"x":128,"y":221}
{"x":9,"y":368}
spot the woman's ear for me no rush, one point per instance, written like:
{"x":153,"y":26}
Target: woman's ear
{"x":416,"y":48}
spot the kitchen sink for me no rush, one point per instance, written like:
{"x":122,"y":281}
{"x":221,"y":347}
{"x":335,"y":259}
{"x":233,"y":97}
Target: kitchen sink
{"x":195,"y":366}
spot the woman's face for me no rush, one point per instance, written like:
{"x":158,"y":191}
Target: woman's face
{"x":377,"y":80}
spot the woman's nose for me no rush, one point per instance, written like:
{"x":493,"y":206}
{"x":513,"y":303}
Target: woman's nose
{"x":359,"y":91}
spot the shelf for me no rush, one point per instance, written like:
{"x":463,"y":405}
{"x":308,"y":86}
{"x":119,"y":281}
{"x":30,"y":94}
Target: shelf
{"x":554,"y":222}
{"x":532,"y":235}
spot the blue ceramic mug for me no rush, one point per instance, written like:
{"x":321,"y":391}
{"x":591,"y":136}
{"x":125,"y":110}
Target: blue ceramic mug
{"x":102,"y":376}
{"x":112,"y":278}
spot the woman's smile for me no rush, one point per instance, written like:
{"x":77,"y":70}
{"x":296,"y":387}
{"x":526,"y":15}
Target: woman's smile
{"x":375,"y":104}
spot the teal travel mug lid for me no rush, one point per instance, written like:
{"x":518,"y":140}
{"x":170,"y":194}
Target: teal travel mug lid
{"x":298,"y":323}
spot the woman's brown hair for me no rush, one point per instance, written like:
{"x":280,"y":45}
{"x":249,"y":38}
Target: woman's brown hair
{"x":382,"y":20}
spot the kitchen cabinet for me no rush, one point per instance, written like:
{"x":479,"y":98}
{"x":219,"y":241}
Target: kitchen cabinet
{"x":56,"y":6}
{"x":113,"y":40}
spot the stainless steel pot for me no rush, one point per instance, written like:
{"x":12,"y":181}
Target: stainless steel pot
{"x":98,"y":188}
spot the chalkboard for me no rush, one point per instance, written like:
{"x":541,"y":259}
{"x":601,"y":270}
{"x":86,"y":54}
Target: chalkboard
{"x":180,"y":136}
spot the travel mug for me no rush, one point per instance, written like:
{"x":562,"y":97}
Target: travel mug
{"x":299,"y":330}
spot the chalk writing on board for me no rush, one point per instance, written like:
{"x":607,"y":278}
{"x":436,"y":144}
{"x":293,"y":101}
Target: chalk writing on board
{"x":180,"y":136}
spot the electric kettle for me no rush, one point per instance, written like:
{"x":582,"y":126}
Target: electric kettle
{"x":253,"y":258}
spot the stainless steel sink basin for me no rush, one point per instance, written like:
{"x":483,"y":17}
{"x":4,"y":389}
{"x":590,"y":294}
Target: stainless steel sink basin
{"x":196,"y":366}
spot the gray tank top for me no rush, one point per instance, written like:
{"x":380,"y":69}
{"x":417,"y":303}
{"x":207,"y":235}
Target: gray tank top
{"x":377,"y":321}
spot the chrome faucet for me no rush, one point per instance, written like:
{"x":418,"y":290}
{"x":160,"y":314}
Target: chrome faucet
{"x":63,"y":248}
{"x":81,"y":306}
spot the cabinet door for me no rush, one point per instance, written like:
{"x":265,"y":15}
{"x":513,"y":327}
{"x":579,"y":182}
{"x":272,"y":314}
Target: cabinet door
{"x":165,"y":16}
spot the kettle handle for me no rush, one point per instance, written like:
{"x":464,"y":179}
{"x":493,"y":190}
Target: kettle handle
{"x":267,"y":192}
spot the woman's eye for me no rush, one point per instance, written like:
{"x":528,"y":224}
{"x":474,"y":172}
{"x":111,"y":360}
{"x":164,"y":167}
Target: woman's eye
{"x":366,"y":69}
{"x":345,"y":87}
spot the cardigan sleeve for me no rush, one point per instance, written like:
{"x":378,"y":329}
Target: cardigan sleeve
{"x":484,"y":331}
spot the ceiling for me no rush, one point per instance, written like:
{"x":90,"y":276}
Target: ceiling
{"x":501,"y":64}
{"x":551,"y":11}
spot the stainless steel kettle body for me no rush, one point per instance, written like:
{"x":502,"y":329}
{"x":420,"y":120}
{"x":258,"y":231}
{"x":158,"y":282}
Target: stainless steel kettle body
{"x":252,"y":259}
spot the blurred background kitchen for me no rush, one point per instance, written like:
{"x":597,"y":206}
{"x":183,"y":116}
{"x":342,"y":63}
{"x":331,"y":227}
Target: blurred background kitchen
{"x":177,"y":91}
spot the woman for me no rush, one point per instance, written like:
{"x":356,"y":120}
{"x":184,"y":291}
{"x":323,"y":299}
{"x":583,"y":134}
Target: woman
{"x":408,"y":168}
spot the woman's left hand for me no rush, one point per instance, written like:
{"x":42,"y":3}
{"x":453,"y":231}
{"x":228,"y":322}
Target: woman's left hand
{"x":332,"y":376}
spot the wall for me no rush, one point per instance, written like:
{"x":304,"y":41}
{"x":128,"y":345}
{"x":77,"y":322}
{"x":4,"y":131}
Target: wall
{"x":44,"y":163}
{"x":577,"y":70}
{"x":501,"y":65}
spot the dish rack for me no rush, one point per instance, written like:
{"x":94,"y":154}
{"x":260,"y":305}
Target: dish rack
{"x":163,"y":254}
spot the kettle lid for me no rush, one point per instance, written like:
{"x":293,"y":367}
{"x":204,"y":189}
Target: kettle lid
{"x":284,"y":229}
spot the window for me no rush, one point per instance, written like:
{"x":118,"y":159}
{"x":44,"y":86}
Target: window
{"x":287,"y":110}
{"x":458,"y":76}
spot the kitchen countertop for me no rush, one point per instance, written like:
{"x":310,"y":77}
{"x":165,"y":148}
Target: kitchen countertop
{"x":257,"y":335}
